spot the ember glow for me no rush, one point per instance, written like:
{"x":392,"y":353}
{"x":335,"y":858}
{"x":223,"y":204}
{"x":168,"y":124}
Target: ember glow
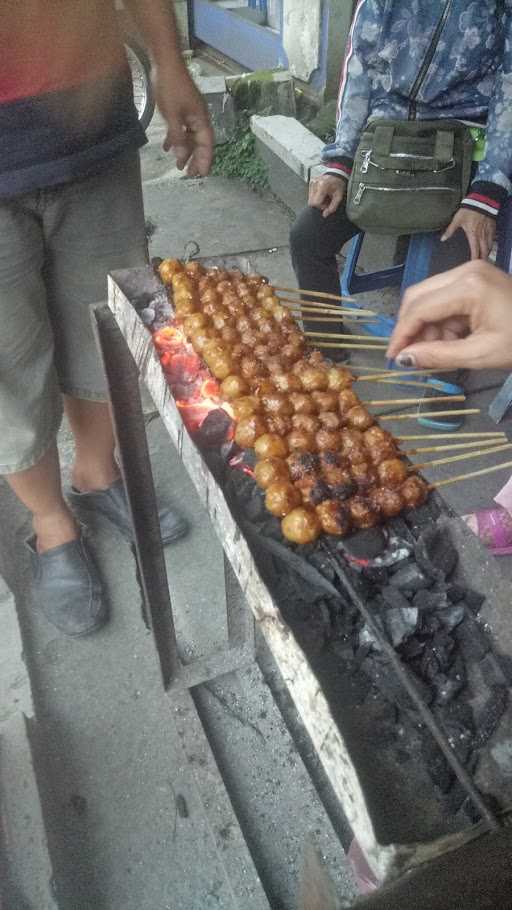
{"x":195,"y":391}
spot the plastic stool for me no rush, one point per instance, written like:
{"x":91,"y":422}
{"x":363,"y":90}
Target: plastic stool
{"x":415,"y":268}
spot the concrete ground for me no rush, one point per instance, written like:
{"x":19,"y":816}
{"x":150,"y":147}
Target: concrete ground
{"x":124,"y":822}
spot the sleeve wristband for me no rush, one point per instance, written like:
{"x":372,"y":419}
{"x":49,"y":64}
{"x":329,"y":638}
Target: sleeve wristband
{"x":342,"y":167}
{"x":485,"y":197}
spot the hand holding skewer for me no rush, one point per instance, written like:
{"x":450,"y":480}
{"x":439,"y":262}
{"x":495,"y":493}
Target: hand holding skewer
{"x":459,"y":319}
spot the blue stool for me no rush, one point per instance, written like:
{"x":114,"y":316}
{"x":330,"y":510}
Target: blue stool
{"x":415,"y":268}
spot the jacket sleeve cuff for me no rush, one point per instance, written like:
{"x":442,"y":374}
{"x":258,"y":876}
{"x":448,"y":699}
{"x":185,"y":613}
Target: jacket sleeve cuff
{"x":485,"y":197}
{"x":340,"y":167}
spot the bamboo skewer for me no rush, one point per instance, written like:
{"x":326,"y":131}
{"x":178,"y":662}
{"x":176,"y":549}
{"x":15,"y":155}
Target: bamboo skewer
{"x":311,"y":311}
{"x":451,"y":435}
{"x":452,"y":458}
{"x":309,"y":306}
{"x":451,"y":447}
{"x":396,"y":374}
{"x":491,"y":470}
{"x":417,"y":385}
{"x":429,"y":414}
{"x":313,"y":293}
{"x":328,"y":335}
{"x":357,"y":347}
{"x":435,"y":398}
{"x":345,"y":320}
{"x":312,"y":304}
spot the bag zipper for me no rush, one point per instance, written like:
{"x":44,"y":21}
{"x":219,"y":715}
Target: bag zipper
{"x":401,"y":156}
{"x":394,"y":189}
{"x":427,"y":60}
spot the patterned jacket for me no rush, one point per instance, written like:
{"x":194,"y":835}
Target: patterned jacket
{"x":393,"y":68}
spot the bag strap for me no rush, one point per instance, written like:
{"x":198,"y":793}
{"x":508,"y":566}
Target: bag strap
{"x":445,"y":144}
{"x":383,"y":139}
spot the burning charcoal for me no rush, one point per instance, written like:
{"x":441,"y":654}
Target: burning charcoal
{"x":430,"y":601}
{"x":452,"y":616}
{"x":410,"y":577}
{"x":436,"y":553}
{"x":455,"y":593}
{"x":472,"y":641}
{"x":376,"y":576}
{"x":366,"y":544}
{"x":422,"y":517}
{"x":491,"y":714}
{"x":400,"y":623}
{"x":214,"y":428}
{"x":474,"y":600}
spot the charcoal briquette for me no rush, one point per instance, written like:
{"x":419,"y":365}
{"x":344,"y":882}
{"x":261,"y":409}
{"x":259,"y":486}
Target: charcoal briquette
{"x":410,"y":577}
{"x":412,"y":648}
{"x":435,"y":553}
{"x":455,"y":593}
{"x":448,"y":687}
{"x":376,"y":576}
{"x":365,"y":544}
{"x":400,"y":623}
{"x":452,"y":616}
{"x":394,"y":598}
{"x":474,"y":600}
{"x":472,"y":640}
{"x":430,"y":601}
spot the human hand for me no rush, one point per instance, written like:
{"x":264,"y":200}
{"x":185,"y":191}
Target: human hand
{"x":327,"y":193}
{"x":459,"y":319}
{"x":479,"y":229}
{"x":189,"y":131}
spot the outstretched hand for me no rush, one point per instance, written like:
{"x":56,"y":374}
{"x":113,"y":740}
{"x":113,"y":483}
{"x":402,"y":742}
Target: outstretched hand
{"x":459,"y":319}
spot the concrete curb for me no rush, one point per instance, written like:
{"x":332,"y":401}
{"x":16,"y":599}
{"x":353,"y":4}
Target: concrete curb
{"x":28,"y":874}
{"x":292,"y":155}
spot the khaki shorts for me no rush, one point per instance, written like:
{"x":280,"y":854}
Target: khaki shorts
{"x":56,"y":248}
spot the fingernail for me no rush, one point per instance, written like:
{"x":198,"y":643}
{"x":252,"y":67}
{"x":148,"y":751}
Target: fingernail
{"x":406,"y":360}
{"x":443,"y":238}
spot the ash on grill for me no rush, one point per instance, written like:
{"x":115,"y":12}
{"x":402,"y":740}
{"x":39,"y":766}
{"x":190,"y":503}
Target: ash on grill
{"x":405,"y":574}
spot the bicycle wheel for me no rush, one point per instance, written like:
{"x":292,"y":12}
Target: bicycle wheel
{"x":141,"y":77}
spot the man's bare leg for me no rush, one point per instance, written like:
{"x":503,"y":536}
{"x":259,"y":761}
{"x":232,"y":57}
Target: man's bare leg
{"x":39,"y":489}
{"x":95,"y":467}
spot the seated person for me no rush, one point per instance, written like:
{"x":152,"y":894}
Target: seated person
{"x":427,"y":61}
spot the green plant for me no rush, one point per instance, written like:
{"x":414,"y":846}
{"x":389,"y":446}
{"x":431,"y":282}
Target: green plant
{"x":238,"y":158}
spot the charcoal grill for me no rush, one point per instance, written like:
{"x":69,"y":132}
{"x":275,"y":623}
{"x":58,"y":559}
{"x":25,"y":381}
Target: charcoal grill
{"x":387,"y":854}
